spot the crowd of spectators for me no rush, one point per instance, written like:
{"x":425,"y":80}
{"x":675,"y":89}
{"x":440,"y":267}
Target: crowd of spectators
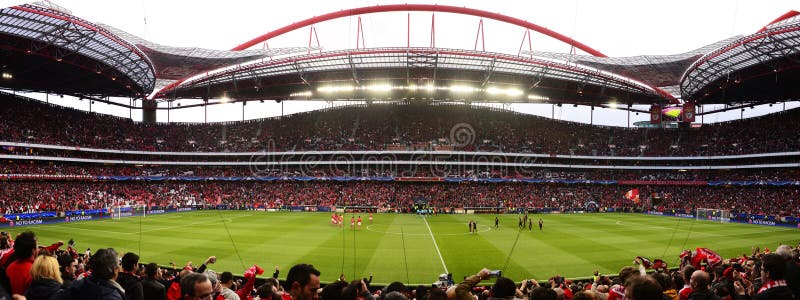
{"x":37,"y":196}
{"x":394,"y":127}
{"x":53,"y":168}
{"x":31,"y":271}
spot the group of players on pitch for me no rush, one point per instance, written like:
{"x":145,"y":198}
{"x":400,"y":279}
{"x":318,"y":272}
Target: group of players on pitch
{"x":338,"y":220}
{"x":523,"y":221}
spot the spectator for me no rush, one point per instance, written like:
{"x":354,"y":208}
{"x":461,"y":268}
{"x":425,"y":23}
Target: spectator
{"x":643,"y":288}
{"x":686,"y":274}
{"x":542,"y":293}
{"x":357,"y":290}
{"x":151,"y":287}
{"x":100,"y":285}
{"x":67,"y":266}
{"x":667,"y":285}
{"x":128,"y":278}
{"x":302,"y":283}
{"x":772,"y":274}
{"x":395,"y":296}
{"x":700,"y":291}
{"x":19,"y":271}
{"x":46,"y":284}
{"x":503,"y":288}
{"x":196,"y":286}
{"x":792,"y":268}
{"x":226,"y":280}
{"x":332,"y":291}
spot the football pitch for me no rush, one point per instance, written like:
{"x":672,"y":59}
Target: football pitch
{"x":410,"y":248}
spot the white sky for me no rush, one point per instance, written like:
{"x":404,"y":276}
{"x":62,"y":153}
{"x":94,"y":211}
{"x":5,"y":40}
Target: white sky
{"x":616,"y":28}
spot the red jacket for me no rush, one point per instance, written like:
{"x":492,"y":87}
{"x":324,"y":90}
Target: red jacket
{"x":19,"y":275}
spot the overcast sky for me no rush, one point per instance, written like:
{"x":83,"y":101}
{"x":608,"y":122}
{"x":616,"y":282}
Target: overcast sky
{"x":616,"y":28}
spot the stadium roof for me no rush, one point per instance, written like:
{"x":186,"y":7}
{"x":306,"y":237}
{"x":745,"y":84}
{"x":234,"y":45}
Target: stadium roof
{"x":415,"y":73}
{"x":663,"y":71}
{"x":46,"y":49}
{"x":757,"y":68}
{"x":173,"y":63}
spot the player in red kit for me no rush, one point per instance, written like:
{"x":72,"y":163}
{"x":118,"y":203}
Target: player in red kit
{"x":352,"y":222}
{"x":359,"y":222}
{"x":334,"y":219}
{"x":370,"y":217}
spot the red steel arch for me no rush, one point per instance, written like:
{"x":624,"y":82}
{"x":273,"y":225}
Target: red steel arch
{"x":418,"y":7}
{"x":785,"y":16}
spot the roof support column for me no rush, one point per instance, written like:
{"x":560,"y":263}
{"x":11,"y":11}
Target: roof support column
{"x":149,"y":111}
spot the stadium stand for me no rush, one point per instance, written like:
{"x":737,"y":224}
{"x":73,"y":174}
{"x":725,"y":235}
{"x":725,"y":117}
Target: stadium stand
{"x":393,"y":127}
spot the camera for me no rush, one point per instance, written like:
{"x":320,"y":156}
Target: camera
{"x":445,"y":281}
{"x":495,"y":273}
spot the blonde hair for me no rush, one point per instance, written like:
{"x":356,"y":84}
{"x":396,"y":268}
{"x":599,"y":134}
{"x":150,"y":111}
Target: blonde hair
{"x":46,"y":266}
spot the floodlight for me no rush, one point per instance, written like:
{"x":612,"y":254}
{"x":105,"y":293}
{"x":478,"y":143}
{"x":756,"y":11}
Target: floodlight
{"x":462,"y":89}
{"x":334,"y":89}
{"x":379,"y":88}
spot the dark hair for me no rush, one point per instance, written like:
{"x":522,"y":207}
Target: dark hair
{"x":436,"y":294}
{"x":273,"y":281}
{"x":150,"y":270}
{"x":24,"y":244}
{"x":625,"y":273}
{"x":664,"y":280}
{"x":188,"y":282}
{"x":583,"y":295}
{"x":643,"y":288}
{"x":225,"y":277}
{"x":775,"y":265}
{"x":352,"y":291}
{"x":300,"y":273}
{"x":395,"y":296}
{"x":503,"y":288}
{"x":331,"y":291}
{"x":129,"y":261}
{"x":677,"y":279}
{"x":104,"y":263}
{"x":687,"y":273}
{"x":543,"y":293}
{"x":396,"y":287}
{"x":4,"y":242}
{"x":64,"y":260}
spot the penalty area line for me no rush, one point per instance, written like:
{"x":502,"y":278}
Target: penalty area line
{"x":435,"y":245}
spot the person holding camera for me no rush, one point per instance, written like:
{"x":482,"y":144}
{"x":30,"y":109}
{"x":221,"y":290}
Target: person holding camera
{"x":503,"y":288}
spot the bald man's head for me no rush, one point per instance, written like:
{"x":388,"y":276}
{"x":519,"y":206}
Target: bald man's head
{"x":699,"y":281}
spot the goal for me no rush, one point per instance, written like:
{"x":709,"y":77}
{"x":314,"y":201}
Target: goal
{"x":710,"y":214}
{"x":138,"y":210}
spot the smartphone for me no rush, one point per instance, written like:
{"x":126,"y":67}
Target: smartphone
{"x":495,"y":273}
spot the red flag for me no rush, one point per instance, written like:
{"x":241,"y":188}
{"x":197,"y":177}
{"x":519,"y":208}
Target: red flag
{"x":633,"y":195}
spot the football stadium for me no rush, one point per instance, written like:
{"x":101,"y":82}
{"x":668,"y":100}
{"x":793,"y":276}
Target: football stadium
{"x":337,"y":151}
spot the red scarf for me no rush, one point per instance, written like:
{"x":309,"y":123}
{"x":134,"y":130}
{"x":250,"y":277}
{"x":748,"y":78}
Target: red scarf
{"x":771,"y":284}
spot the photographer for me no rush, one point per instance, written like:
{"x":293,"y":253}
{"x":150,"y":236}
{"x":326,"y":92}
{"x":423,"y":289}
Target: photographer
{"x":526,"y":287}
{"x":503,"y":288}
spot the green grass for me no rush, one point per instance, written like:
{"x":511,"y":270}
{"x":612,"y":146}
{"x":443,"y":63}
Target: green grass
{"x":401,"y":247}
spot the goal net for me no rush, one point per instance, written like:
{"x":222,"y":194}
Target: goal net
{"x":710,"y":214}
{"x":138,"y":210}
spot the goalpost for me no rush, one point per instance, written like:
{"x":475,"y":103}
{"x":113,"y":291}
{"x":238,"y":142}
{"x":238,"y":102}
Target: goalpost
{"x":119,"y":211}
{"x":710,"y":214}
{"x":140,"y":210}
